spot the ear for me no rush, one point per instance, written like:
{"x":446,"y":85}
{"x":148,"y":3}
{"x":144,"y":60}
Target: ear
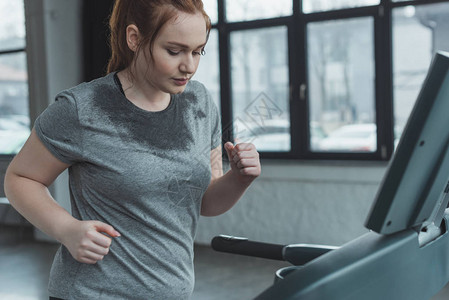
{"x":132,"y":37}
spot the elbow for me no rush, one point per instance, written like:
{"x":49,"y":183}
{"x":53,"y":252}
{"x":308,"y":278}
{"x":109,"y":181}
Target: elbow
{"x":206,"y":212}
{"x":8,"y":182}
{"x":209,"y":214}
{"x":209,"y":211}
{"x":12,"y":185}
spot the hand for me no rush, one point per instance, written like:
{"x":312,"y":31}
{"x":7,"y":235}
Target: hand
{"x":244,"y":161}
{"x":86,"y":242}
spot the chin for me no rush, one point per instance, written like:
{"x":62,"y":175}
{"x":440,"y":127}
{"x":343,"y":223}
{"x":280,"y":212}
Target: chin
{"x":177,"y":90}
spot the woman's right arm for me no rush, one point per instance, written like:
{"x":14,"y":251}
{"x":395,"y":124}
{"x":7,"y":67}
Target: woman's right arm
{"x":26,"y":186}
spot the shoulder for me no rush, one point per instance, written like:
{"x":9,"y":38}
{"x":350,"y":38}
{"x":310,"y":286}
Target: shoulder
{"x":89,"y":90}
{"x":195,"y":85}
{"x":196,"y":93}
{"x":197,"y":89}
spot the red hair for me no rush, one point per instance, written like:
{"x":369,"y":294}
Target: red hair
{"x":149,"y":16}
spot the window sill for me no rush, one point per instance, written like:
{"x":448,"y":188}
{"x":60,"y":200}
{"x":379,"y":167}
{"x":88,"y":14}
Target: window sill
{"x":370,"y":172}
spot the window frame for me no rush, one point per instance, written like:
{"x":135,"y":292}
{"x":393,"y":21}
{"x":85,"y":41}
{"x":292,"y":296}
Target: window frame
{"x":299,"y":108}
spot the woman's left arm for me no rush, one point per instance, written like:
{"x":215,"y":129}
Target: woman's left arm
{"x":225,"y":190}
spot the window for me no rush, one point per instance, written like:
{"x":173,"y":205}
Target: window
{"x":260,"y":85}
{"x":430,"y":27}
{"x":310,"y":6}
{"x":321,"y":79}
{"x":208,"y":70}
{"x":14,"y":111}
{"x":340,"y":68}
{"x":211,"y":8}
{"x":238,"y":10}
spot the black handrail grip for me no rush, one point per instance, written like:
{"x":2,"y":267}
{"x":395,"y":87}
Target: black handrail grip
{"x":243,"y":246}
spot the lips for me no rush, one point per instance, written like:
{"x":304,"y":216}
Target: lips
{"x":181,"y":81}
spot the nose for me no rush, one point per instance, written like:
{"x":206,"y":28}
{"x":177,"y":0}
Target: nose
{"x":188,"y":64}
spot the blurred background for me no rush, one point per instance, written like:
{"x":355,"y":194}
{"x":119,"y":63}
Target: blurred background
{"x":323,"y":88}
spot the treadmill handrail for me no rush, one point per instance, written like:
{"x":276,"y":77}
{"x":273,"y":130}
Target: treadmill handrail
{"x":296,"y":254}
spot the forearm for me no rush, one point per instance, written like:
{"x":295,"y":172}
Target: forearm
{"x":33,"y":201}
{"x":222,"y":194}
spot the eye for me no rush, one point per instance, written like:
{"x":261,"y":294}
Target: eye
{"x":200,"y":52}
{"x":172,"y":52}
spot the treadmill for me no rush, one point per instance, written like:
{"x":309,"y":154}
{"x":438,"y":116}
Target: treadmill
{"x":405,"y":255}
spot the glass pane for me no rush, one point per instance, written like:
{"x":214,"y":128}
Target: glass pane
{"x":418,"y":32}
{"x":210,"y":6}
{"x":259,"y":65}
{"x":12,"y":25}
{"x":14,"y":116}
{"x":341,"y":81}
{"x":208,"y":71}
{"x":245,"y":10}
{"x":310,"y":6}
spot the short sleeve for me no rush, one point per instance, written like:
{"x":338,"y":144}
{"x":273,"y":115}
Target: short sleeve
{"x":59,"y":130}
{"x":215,"y":123}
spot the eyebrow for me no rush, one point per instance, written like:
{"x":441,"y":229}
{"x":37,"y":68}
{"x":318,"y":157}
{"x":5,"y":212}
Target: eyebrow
{"x":185,"y":46}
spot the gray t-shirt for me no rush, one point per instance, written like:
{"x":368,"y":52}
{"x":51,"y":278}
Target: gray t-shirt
{"x":142,"y":172}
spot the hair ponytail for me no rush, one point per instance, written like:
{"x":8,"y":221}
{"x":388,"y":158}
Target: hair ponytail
{"x":121,"y":55}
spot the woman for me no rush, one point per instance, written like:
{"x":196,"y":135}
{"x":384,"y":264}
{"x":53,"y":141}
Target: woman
{"x":143,"y":149}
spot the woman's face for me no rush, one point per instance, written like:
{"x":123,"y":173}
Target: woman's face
{"x":176,"y":54}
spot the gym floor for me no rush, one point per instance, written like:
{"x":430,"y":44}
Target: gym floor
{"x":25,"y":264}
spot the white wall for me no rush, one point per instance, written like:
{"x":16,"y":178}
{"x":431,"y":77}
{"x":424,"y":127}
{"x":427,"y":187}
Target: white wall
{"x":301,"y":202}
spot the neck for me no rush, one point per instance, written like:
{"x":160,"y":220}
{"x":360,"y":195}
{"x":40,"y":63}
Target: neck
{"x":142,"y":94}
